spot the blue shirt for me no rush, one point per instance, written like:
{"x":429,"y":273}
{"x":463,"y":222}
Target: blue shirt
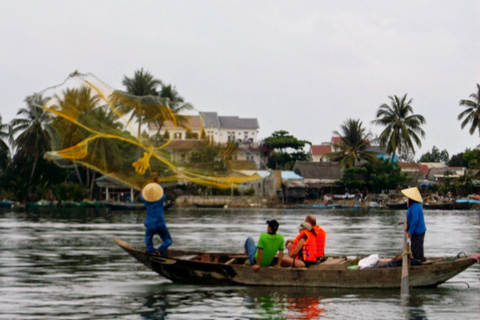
{"x":154,"y":211}
{"x":415,"y":220}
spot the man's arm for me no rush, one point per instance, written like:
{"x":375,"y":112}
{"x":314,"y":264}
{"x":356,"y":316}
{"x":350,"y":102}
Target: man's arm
{"x":299,"y":247}
{"x":280,"y":257}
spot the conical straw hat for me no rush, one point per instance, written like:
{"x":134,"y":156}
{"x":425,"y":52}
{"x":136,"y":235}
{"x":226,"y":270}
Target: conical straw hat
{"x":152,"y":192}
{"x":413,"y":193}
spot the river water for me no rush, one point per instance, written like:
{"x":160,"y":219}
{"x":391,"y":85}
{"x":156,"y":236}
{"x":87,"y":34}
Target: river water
{"x":63,"y":264}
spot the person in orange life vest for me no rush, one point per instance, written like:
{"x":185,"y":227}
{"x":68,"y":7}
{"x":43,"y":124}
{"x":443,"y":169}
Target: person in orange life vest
{"x":303,"y":251}
{"x":321,"y":235}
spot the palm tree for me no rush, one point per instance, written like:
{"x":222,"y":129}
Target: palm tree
{"x":80,"y":104}
{"x":402,"y":127}
{"x":142,"y":84}
{"x":472,"y":113}
{"x":353,"y":145}
{"x":4,"y":149}
{"x":33,"y":131}
{"x":171,"y":98}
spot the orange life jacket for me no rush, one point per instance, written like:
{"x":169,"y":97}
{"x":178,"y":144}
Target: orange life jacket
{"x":321,"y":236}
{"x":309,"y":250}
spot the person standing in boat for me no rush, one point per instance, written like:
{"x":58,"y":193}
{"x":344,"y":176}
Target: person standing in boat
{"x":303,"y":252}
{"x":415,"y":222}
{"x":153,"y":197}
{"x":262,"y":254}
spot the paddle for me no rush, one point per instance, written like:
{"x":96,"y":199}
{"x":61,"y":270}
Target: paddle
{"x":404,"y":287}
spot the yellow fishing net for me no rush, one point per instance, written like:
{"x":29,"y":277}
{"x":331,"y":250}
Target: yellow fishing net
{"x":134,"y":139}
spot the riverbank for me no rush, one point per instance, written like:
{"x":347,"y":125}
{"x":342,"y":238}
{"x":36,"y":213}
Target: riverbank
{"x":258,"y":202}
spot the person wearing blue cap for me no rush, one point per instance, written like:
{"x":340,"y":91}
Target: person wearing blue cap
{"x":269,"y":243}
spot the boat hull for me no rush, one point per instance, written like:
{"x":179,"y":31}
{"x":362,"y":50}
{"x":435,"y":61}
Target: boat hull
{"x":217,"y":269}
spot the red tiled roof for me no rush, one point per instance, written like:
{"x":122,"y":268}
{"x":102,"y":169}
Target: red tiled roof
{"x":335,"y":140}
{"x":423,"y":168}
{"x":321,"y":150}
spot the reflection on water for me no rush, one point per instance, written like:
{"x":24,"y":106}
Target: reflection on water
{"x":64,"y":264}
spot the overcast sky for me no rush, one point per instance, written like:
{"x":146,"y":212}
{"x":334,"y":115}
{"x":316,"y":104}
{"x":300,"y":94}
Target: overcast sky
{"x":300,"y":66}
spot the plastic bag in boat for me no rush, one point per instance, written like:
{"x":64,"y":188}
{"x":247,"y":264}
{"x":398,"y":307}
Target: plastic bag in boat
{"x":369,"y":261}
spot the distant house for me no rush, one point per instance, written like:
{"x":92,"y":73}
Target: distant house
{"x":181,"y":150}
{"x":441,"y":174}
{"x":223,"y":129}
{"x":293,"y":188}
{"x":217,"y":129}
{"x":319,"y":153}
{"x":412,"y":170}
{"x":319,"y":177}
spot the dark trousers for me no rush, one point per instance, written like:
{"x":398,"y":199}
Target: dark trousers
{"x":162,"y":231}
{"x":417,"y":246}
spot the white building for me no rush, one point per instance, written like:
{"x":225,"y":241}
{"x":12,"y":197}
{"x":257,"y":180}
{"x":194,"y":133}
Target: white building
{"x":217,"y":129}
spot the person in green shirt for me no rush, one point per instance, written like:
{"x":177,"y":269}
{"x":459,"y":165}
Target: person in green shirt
{"x":262,"y":254}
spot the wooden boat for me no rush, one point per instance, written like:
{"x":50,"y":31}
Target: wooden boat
{"x":397,"y":205}
{"x":230,"y":269}
{"x":209,"y":205}
{"x":462,"y":205}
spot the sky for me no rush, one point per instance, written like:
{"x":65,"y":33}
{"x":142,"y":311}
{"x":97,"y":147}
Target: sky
{"x":300,"y":66}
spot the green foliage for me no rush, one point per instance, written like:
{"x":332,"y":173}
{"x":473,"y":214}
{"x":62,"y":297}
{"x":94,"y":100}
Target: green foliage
{"x":353,"y":145}
{"x":435,"y":156}
{"x":70,"y":191}
{"x":466,"y":182}
{"x":376,"y":177}
{"x":280,"y":161}
{"x":384,"y":175}
{"x":283,"y":140}
{"x":279,"y":142}
{"x":472,"y":112}
{"x":20,"y":187}
{"x":4,"y":149}
{"x":402,"y":126}
{"x":236,"y":192}
{"x":472,"y":158}
{"x":354,"y":178}
{"x":457,"y":160}
{"x":250,"y":192}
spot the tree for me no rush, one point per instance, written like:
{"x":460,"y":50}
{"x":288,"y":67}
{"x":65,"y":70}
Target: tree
{"x":353,"y":178}
{"x":435,"y":156}
{"x":472,"y":113}
{"x":83,"y":103}
{"x":466,"y":182}
{"x":142,"y":84}
{"x":384,"y":175}
{"x":402,"y":127}
{"x":472,"y":158}
{"x":353,"y":145}
{"x":174,"y":100}
{"x":33,"y":131}
{"x":457,"y":160}
{"x":4,"y":149}
{"x":284,"y":150}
